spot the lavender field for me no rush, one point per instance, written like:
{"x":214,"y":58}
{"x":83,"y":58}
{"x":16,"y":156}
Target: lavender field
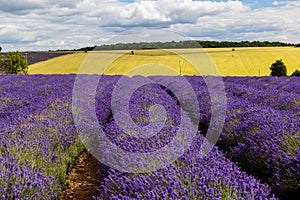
{"x":256,"y":157}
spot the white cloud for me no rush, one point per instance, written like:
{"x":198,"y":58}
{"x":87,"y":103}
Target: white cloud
{"x":278,"y":3}
{"x":43,"y":25}
{"x":163,"y":12}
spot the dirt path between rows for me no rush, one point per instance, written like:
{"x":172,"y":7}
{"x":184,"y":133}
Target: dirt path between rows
{"x":84,"y":179}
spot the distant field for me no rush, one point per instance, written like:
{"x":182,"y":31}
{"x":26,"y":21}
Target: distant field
{"x":68,"y":64}
{"x":254,"y":61}
{"x":241,"y":62}
{"x":117,"y":62}
{"x":145,"y":62}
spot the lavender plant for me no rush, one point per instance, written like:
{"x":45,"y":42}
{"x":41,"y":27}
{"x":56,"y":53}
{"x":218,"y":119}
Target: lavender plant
{"x":39,"y":142}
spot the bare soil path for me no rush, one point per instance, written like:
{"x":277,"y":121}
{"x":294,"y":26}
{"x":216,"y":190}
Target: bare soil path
{"x":84,"y":179}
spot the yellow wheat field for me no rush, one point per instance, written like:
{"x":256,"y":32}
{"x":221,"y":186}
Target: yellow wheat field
{"x":240,"y":62}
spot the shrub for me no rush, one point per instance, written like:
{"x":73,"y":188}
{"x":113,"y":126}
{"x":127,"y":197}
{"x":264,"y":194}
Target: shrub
{"x":14,"y":63}
{"x":296,"y":73}
{"x":278,"y":68}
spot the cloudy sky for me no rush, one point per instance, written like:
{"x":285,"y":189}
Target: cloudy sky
{"x":61,"y":24}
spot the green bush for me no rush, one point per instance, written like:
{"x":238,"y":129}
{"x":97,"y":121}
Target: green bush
{"x":13,"y":63}
{"x":296,"y":73}
{"x":278,"y":68}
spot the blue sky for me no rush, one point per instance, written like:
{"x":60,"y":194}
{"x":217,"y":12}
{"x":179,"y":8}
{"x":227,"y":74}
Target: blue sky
{"x":63,"y":24}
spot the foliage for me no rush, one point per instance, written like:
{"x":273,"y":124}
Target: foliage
{"x":296,"y":73}
{"x":2,"y":59}
{"x":224,"y":44}
{"x":278,"y":68}
{"x":185,"y":44}
{"x":14,"y":63}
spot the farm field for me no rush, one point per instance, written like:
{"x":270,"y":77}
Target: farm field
{"x":257,"y":155}
{"x":254,"y":61}
{"x":241,"y":62}
{"x":68,"y":64}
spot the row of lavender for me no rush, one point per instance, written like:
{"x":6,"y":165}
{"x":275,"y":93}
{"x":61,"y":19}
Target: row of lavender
{"x":271,"y":97}
{"x":262,"y":129}
{"x":192,"y":176}
{"x":38,"y":141}
{"x":261,"y":132}
{"x":280,"y":84}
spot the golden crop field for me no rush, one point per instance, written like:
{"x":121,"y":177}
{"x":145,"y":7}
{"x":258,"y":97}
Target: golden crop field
{"x":241,"y":62}
{"x":254,"y":61}
{"x":67,"y":64}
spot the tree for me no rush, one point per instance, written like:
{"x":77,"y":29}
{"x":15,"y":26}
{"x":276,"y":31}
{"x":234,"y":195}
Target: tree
{"x":0,"y":49}
{"x":14,"y":63}
{"x":296,"y":73}
{"x":278,"y":68}
{"x":2,"y":59}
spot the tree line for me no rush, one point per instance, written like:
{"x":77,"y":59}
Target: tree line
{"x":225,"y":44}
{"x":182,"y":44}
{"x":186,"y":44}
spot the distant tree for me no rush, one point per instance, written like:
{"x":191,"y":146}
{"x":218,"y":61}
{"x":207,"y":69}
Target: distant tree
{"x":296,"y":73}
{"x":14,"y":63}
{"x":2,"y":59}
{"x":278,"y":68}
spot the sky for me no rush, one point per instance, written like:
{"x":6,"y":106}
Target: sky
{"x":67,"y":24}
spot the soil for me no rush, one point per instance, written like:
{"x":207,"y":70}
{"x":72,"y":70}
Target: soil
{"x":84,"y":179}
